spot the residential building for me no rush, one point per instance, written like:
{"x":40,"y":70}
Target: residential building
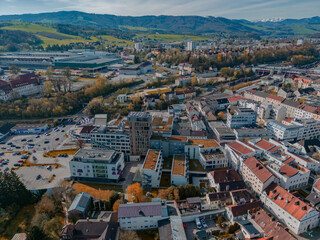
{"x":96,"y":165}
{"x":109,"y":138}
{"x":209,"y":153}
{"x":137,"y":216}
{"x":104,"y":227}
{"x":273,"y":99}
{"x":256,"y":175}
{"x":241,"y":117}
{"x":270,"y":228}
{"x":240,"y":212}
{"x":152,"y":169}
{"x":304,"y":111}
{"x":180,"y":171}
{"x":218,"y":200}
{"x":190,"y":46}
{"x":297,"y":215}
{"x":80,"y":205}
{"x":290,"y":106}
{"x":238,"y":151}
{"x":302,"y":83}
{"x":140,"y":132}
{"x":225,"y":180}
{"x":284,"y":132}
{"x":256,"y":96}
{"x":172,"y":229}
{"x":311,"y":128}
{"x":252,"y":133}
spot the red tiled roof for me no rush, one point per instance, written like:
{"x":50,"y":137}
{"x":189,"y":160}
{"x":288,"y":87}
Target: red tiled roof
{"x":288,"y":170}
{"x":239,"y":148}
{"x":222,"y":176}
{"x":87,"y":129}
{"x":23,"y":80}
{"x":289,"y":160}
{"x":270,"y":227}
{"x":235,"y":98}
{"x":258,"y":169}
{"x":307,"y":108}
{"x":277,"y":98}
{"x":317,"y":185}
{"x":265,"y":145}
{"x":288,"y":202}
{"x":302,"y":80}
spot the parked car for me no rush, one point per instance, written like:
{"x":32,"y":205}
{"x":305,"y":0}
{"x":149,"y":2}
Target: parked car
{"x":57,"y":139}
{"x":198,"y":223}
{"x":46,"y":142}
{"x":38,"y":177}
{"x":16,"y":164}
{"x":203,"y":222}
{"x":23,"y":140}
{"x":6,"y":169}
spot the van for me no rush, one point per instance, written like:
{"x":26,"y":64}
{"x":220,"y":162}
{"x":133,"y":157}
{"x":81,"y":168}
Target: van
{"x":198,"y":223}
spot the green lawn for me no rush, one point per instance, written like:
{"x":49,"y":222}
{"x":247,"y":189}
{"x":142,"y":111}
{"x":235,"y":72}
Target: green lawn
{"x":36,"y":29}
{"x":116,"y":41}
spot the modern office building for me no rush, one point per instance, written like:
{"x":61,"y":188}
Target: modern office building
{"x":97,"y":165}
{"x":241,"y":117}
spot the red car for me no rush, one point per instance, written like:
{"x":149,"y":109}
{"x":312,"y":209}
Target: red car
{"x":184,"y":226}
{"x":57,"y":139}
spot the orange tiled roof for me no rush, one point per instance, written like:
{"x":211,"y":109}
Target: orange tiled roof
{"x":288,"y":202}
{"x":288,"y":170}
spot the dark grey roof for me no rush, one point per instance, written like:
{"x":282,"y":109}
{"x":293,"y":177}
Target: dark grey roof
{"x":90,"y":229}
{"x":290,"y":103}
{"x":194,"y":200}
{"x":140,"y":210}
{"x":232,"y":186}
{"x":313,"y":198}
{"x":249,"y":227}
{"x":6,"y":128}
{"x":261,"y":94}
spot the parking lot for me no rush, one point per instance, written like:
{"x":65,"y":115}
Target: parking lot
{"x":191,"y":228}
{"x":38,"y":172}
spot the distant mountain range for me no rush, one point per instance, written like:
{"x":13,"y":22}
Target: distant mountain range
{"x":175,"y":24}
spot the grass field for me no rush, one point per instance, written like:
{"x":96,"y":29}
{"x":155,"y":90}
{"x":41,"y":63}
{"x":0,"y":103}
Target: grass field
{"x":44,"y":32}
{"x":172,"y":37}
{"x":116,"y":41}
{"x":97,"y":191}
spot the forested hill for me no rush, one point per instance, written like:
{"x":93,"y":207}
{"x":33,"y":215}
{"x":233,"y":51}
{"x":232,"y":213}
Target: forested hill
{"x":176,"y":24}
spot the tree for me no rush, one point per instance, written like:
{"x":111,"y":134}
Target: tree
{"x":135,"y":193}
{"x":129,"y":235}
{"x":48,"y":88}
{"x":13,"y":191}
{"x":95,"y":106}
{"x":220,"y":220}
{"x":14,"y":69}
{"x":36,"y":234}
{"x":221,"y":116}
{"x":67,"y":83}
{"x":136,"y":59}
{"x":194,"y":81}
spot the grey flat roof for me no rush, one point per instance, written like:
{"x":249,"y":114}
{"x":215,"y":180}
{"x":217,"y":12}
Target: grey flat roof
{"x":28,"y":126}
{"x":95,"y":154}
{"x":251,"y":130}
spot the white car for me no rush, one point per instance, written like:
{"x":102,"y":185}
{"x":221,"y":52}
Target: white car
{"x":204,"y":224}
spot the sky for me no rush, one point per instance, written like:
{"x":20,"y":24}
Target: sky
{"x":234,"y":9}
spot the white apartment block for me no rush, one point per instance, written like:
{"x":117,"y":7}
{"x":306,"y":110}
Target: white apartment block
{"x":96,"y":165}
{"x":209,"y":153}
{"x":152,"y":169}
{"x":284,"y":132}
{"x":311,"y":128}
{"x":241,"y":117}
{"x":141,"y":216}
{"x":104,"y":137}
{"x":291,"y":177}
{"x":180,"y":171}
{"x":297,"y":215}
